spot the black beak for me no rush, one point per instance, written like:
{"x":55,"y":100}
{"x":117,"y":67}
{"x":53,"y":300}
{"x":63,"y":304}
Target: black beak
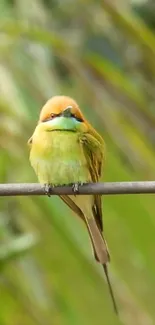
{"x":67,"y":112}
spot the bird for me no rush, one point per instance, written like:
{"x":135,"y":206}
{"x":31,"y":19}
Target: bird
{"x":65,"y":149}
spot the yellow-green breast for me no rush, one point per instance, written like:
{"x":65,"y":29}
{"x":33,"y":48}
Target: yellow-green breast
{"x":58,"y":158}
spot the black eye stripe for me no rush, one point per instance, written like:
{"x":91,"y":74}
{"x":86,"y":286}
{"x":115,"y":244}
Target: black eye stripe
{"x":48,"y":119}
{"x":52,"y":116}
{"x":77,"y":118}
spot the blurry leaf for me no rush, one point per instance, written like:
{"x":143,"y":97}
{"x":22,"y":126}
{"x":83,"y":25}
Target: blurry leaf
{"x":16,"y":247}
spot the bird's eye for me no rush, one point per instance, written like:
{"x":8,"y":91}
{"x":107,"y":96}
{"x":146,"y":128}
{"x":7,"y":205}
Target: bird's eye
{"x":52,"y":115}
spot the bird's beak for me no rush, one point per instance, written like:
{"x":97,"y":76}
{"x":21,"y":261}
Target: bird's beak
{"x":67,"y":112}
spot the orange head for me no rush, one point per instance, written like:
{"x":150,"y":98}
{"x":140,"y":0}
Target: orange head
{"x":57,"y":105}
{"x":62,"y":113}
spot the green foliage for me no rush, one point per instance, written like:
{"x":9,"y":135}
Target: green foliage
{"x":103,"y":56}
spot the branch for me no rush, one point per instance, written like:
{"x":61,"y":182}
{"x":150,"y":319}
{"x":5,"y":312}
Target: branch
{"x":92,"y":188}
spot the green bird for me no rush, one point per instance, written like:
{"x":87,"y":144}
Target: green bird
{"x":66,"y":149}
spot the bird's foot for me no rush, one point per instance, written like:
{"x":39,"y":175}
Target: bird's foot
{"x":75,"y":187}
{"x":48,"y":189}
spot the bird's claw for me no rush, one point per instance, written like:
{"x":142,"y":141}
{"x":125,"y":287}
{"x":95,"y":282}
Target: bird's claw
{"x":75,"y":188}
{"x":48,"y":188}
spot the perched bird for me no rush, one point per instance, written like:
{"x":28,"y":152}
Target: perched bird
{"x":66,"y":149}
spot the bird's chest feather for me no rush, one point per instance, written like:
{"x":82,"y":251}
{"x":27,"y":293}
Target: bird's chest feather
{"x":59,"y":158}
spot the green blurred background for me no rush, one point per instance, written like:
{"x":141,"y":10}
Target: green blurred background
{"x":102,"y":53}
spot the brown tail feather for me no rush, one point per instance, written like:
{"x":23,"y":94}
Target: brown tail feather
{"x":110,"y":288}
{"x":94,"y":233}
{"x":101,"y":255}
{"x":99,"y":244}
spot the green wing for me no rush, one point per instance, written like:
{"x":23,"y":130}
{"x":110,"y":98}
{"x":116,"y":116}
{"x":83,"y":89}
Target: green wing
{"x":94,"y":152}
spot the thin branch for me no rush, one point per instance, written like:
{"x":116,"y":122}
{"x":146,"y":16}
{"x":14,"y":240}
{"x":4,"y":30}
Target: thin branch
{"x":98,"y":188}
